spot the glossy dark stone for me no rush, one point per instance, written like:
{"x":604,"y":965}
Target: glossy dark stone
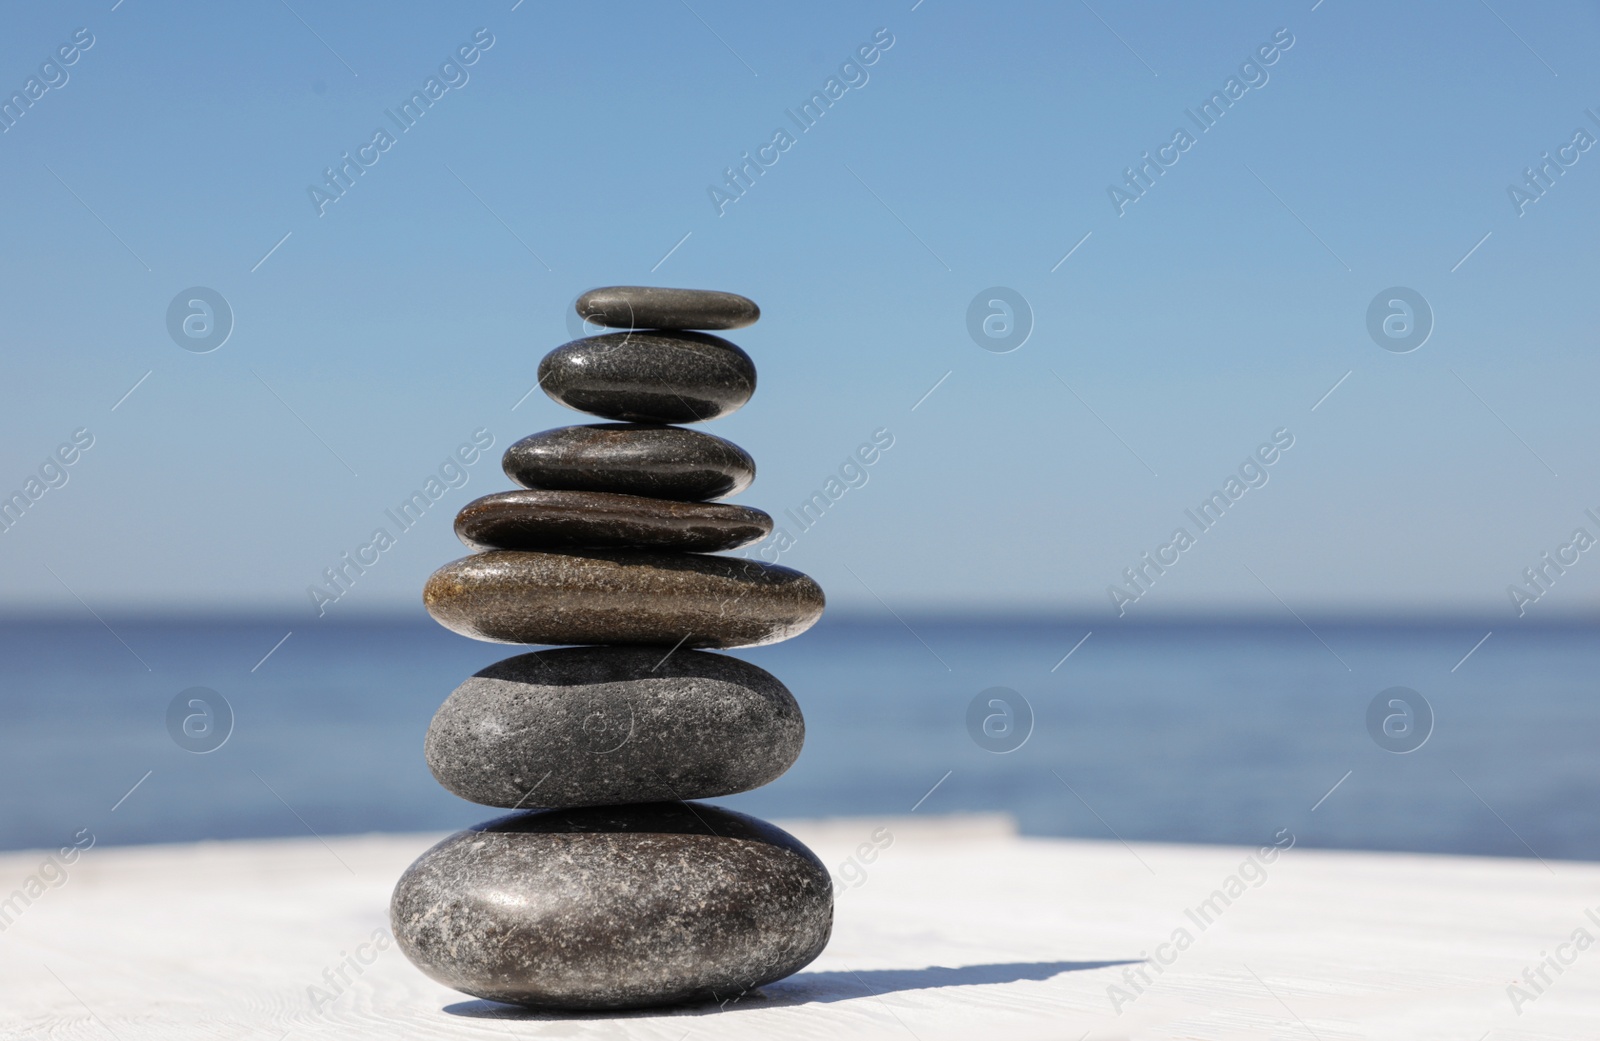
{"x":563,"y":520}
{"x":614,"y":907}
{"x":660,"y":462}
{"x":594,"y":726}
{"x":621,"y":596}
{"x":655,"y":307}
{"x":650,"y":377}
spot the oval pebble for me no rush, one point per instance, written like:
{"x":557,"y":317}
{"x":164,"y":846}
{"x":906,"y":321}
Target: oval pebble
{"x":593,"y":726}
{"x":559,"y":520}
{"x":657,"y":461}
{"x":622,"y":596}
{"x":650,"y":377}
{"x":656,"y":307}
{"x":614,"y":907}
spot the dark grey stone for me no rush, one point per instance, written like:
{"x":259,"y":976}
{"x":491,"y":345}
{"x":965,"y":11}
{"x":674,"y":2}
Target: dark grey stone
{"x":614,"y":907}
{"x":563,"y":520}
{"x":657,"y":461}
{"x":650,"y":377}
{"x":655,"y":307}
{"x":621,"y":596}
{"x":595,"y":726}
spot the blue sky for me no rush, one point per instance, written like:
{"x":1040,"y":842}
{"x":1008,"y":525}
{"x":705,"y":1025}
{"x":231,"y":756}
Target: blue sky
{"x":977,"y":150}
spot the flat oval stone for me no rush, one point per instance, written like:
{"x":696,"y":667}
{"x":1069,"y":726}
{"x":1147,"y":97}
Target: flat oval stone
{"x":655,"y":307}
{"x":650,"y":377}
{"x":614,"y":907}
{"x":657,"y":461}
{"x":594,"y":726}
{"x":559,"y":520}
{"x":621,"y":596}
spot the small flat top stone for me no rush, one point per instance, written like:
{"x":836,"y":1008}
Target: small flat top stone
{"x":655,"y":307}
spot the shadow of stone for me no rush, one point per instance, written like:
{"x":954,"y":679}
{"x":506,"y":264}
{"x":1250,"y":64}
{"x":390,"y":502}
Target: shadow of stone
{"x":805,"y":988}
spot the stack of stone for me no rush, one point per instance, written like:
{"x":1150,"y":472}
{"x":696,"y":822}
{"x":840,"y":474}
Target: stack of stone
{"x":617,"y":893}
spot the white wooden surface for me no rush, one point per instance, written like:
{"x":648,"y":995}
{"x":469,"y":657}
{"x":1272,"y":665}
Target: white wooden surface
{"x":958,"y":930}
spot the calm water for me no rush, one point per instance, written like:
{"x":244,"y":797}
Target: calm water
{"x":1190,"y":733}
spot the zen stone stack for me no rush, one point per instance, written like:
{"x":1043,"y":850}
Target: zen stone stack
{"x":616,"y":892}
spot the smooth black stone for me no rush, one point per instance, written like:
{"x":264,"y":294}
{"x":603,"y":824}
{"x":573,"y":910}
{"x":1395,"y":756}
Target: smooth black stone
{"x":594,"y":726}
{"x":655,"y":307}
{"x":650,"y":377}
{"x":661,"y":462}
{"x":614,"y":907}
{"x":604,"y":520}
{"x":622,"y":596}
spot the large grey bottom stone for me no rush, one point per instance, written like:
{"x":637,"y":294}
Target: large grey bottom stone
{"x":614,"y":907}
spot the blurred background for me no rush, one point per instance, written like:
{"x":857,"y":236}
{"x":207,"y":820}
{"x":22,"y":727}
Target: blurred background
{"x":1310,"y":282}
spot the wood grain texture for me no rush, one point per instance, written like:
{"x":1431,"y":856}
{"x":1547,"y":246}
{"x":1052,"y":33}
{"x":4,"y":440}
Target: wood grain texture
{"x":954,"y":928}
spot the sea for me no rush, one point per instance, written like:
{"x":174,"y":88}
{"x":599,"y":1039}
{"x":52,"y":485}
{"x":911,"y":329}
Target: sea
{"x":1435,"y":737}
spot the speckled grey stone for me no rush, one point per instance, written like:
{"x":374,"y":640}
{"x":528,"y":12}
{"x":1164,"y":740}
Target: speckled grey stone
{"x":656,"y":307}
{"x":650,"y":377}
{"x":595,"y":726}
{"x":559,"y":520}
{"x":658,"y":461}
{"x":621,"y":596}
{"x":614,"y":907}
